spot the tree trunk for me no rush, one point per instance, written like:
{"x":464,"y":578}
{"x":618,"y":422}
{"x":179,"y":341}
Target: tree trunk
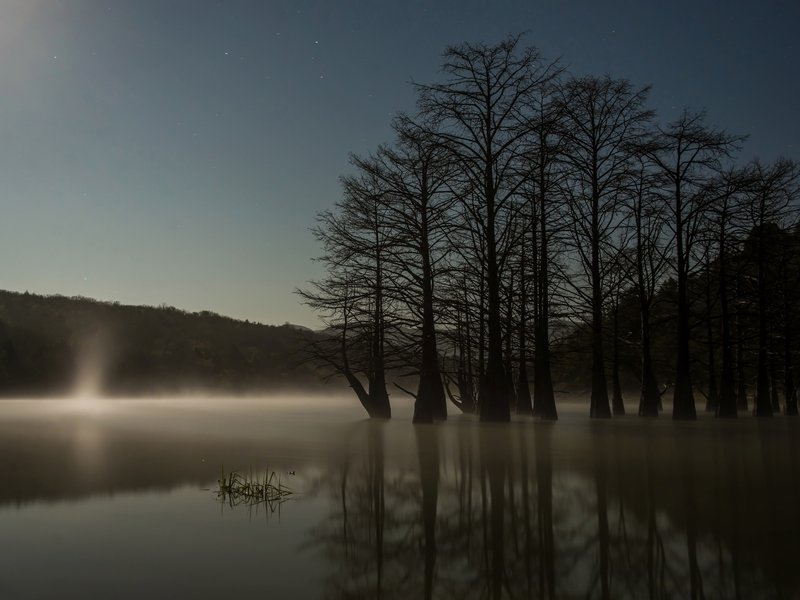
{"x":763,"y":404}
{"x":482,"y":339}
{"x":712,"y":400}
{"x":599,"y":407}
{"x":544,"y":400}
{"x":774,"y":398}
{"x":523,"y":403}
{"x":617,"y":402}
{"x":726,"y":407}
{"x":683,"y":398}
{"x":789,"y":391}
{"x":650,"y":396}
{"x":511,"y":390}
{"x":377,"y":380}
{"x":430,"y":403}
{"x":466,"y":381}
{"x":494,"y":405}
{"x":741,"y":392}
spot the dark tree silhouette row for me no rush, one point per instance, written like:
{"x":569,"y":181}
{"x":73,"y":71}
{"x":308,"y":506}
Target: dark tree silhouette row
{"x":521,"y":208}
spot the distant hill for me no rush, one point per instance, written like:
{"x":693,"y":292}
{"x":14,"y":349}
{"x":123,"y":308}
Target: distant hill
{"x":57,"y":344}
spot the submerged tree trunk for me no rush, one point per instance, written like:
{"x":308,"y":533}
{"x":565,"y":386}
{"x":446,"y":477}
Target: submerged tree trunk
{"x":599,"y":407}
{"x":430,"y":403}
{"x":523,"y":403}
{"x":377,"y":380}
{"x":375,"y":409}
{"x":466,"y":375}
{"x":789,"y":390}
{"x":774,"y":398}
{"x":712,"y":400}
{"x":650,"y":396}
{"x":726,"y":407}
{"x":617,"y":402}
{"x":763,"y":404}
{"x":544,"y":400}
{"x":481,"y":340}
{"x":683,"y":398}
{"x":650,"y":399}
{"x":511,"y":390}
{"x":494,"y":405}
{"x":741,"y":392}
{"x":363,"y":396}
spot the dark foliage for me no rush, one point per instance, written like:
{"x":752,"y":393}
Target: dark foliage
{"x":55,"y":344}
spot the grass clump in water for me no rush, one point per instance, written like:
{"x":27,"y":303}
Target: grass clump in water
{"x":237,"y":488}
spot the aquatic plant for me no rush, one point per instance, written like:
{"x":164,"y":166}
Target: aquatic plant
{"x":237,"y":488}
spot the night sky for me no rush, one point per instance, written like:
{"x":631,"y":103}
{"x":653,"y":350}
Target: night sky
{"x":177,"y":151}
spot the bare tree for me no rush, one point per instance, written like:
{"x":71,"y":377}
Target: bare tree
{"x":771,"y":197}
{"x":686,"y":153}
{"x":414,"y":174}
{"x":541,"y":189}
{"x":723,"y":211}
{"x":648,"y":262}
{"x":351,"y":298}
{"x":480,"y":109}
{"x":604,"y":120}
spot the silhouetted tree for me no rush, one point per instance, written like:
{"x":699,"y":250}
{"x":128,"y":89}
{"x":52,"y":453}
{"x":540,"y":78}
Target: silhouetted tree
{"x":686,"y":152}
{"x":413,"y":175}
{"x":356,"y":240}
{"x":603,"y":121}
{"x":789,"y":280}
{"x":771,"y":196}
{"x":647,"y":263}
{"x":723,"y":210}
{"x":541,"y":188}
{"x":618,"y":275}
{"x":481,"y":112}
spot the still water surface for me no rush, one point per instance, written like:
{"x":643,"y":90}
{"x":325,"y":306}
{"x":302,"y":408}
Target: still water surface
{"x":115,"y":499}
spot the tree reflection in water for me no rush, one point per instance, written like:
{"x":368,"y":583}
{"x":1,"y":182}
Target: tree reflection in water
{"x":514,"y":511}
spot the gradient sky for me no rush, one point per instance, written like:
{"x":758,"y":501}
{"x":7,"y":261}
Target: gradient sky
{"x":177,"y":151}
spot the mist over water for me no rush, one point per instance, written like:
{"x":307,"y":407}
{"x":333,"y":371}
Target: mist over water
{"x":92,"y":364}
{"x":116,"y":498}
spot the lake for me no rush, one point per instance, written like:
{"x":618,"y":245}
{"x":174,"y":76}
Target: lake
{"x":117,"y":499}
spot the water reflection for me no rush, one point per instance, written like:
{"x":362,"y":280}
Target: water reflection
{"x":522,"y":511}
{"x":579,"y":509}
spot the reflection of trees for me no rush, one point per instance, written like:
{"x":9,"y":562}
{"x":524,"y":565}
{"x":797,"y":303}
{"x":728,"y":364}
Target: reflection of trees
{"x":353,"y":539}
{"x":509,"y":512}
{"x":428,"y":451}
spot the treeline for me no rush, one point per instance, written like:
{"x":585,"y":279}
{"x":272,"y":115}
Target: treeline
{"x":56,"y":344}
{"x":525,"y":215}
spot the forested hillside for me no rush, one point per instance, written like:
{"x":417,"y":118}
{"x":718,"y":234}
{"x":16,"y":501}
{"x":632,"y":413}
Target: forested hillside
{"x":55,"y":344}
